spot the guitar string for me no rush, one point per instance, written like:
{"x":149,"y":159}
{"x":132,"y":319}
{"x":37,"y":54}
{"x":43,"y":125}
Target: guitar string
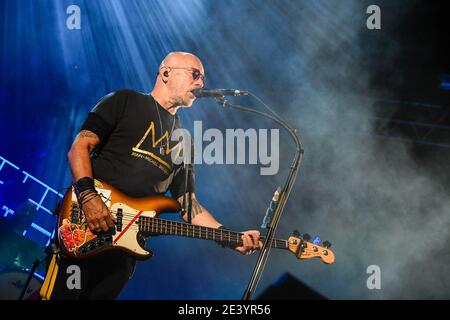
{"x":284,"y":242}
{"x":194,"y":231}
{"x":198,"y":233}
{"x":162,"y":223}
{"x":213,"y":234}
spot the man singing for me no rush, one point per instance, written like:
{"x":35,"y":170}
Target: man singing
{"x":115,"y":131}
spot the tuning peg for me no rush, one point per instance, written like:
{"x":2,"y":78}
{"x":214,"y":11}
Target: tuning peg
{"x":306,"y":237}
{"x":295,"y":233}
{"x":326,"y":244}
{"x":316,"y":240}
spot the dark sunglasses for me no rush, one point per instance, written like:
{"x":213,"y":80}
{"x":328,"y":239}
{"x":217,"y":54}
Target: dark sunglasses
{"x":196,"y":74}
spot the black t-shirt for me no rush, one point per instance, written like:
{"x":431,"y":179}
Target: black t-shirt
{"x":134,"y":154}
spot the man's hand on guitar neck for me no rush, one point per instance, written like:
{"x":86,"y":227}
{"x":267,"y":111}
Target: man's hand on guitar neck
{"x":202,"y":217}
{"x":251,"y":242}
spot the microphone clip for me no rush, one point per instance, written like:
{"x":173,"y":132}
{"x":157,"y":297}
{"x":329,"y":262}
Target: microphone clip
{"x":221,"y":101}
{"x":271,"y":209}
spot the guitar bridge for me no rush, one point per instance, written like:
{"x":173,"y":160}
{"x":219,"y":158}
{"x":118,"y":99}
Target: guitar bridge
{"x":96,"y":243}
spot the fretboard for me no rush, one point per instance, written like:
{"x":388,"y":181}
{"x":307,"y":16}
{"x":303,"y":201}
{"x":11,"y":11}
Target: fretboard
{"x":169,"y":227}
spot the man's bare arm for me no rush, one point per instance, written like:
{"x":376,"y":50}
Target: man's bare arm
{"x":200,"y":216}
{"x":95,"y":210}
{"x":79,"y":159}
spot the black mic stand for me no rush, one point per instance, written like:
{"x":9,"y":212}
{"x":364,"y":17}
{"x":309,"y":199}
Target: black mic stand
{"x":50,"y":250}
{"x":36,"y":264}
{"x":187,"y":210}
{"x":283,"y":196}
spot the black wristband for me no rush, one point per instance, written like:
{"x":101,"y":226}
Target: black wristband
{"x":84,"y":184}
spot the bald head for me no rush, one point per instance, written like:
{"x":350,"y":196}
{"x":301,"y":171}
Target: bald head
{"x":179,"y":58}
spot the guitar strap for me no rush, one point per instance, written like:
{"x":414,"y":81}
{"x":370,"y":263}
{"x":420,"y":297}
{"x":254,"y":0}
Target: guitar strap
{"x":52,"y":258}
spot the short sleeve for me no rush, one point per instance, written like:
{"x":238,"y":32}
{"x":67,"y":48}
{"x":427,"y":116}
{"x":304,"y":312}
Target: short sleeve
{"x":105,"y":115}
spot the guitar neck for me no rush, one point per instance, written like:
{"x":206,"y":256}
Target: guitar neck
{"x":169,"y":227}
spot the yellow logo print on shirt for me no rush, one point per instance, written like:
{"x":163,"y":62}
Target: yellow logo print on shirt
{"x":157,"y":143}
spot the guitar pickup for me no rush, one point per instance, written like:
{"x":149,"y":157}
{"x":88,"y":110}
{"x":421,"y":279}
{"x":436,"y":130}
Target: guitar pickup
{"x":75,"y":216}
{"x":119,"y":217}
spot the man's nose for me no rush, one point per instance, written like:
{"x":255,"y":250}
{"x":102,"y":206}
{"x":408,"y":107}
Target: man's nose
{"x":200,"y":82}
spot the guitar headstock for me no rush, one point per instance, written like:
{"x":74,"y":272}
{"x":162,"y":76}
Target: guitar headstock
{"x":303,"y":249}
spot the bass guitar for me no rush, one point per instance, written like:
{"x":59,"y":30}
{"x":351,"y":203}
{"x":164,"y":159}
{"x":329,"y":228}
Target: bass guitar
{"x":137,"y":220}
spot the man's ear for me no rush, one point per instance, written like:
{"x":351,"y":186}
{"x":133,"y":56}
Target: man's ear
{"x":164,"y":72}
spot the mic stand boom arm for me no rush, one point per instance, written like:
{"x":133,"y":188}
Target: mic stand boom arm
{"x":283,"y":197}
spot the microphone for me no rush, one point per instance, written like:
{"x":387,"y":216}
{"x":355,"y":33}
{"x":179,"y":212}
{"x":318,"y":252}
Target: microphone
{"x":204,"y":93}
